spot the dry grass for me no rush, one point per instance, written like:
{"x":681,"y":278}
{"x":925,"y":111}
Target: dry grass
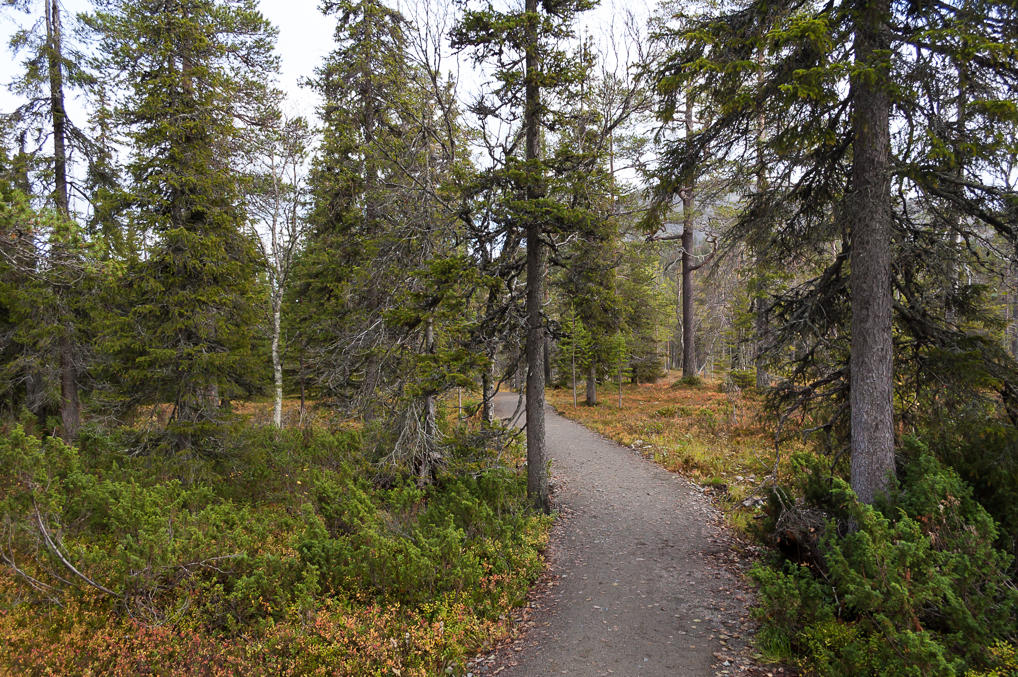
{"x":715,"y":438}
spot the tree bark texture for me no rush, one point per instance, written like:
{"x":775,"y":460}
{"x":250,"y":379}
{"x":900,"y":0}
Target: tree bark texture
{"x":537,"y":475}
{"x":70,"y":408}
{"x":277,"y":363}
{"x":872,"y":376}
{"x":688,"y":319}
{"x":591,"y":385}
{"x":488,"y":394}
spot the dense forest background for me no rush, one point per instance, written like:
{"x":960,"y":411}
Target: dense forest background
{"x":248,"y":359}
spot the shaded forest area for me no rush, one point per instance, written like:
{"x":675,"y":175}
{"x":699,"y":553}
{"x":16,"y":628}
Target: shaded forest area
{"x":815,"y":202}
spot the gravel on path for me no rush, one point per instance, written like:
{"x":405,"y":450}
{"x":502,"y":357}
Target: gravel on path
{"x":641,"y":580}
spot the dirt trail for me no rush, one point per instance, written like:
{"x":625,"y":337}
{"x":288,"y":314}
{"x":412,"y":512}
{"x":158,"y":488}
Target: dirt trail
{"x":638,"y":582}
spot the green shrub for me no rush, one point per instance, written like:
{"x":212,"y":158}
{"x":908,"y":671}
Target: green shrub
{"x":743,"y":378}
{"x":1005,"y":661}
{"x":983,"y":450}
{"x":915,"y":587}
{"x":267,"y":530}
{"x":691,"y":381}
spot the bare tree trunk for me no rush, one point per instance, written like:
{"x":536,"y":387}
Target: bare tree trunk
{"x":537,"y":475}
{"x":688,"y":320}
{"x":872,"y":375}
{"x":277,"y":363}
{"x":488,"y":394}
{"x":70,"y":408}
{"x":591,"y":385}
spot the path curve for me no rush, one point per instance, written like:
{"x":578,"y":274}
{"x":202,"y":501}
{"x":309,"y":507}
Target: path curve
{"x":636,"y":584}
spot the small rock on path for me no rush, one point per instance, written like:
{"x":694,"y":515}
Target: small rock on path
{"x":640,"y":577}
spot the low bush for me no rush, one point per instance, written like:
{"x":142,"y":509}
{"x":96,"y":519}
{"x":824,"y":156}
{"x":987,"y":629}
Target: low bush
{"x":276,"y":554}
{"x":911,"y":587}
{"x":691,"y":381}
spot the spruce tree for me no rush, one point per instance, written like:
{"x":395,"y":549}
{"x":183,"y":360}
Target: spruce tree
{"x":49,"y":68}
{"x":185,"y":76}
{"x":858,"y":160}
{"x":523,"y":46}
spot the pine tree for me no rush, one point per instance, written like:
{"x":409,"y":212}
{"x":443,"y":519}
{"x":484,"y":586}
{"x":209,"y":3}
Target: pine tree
{"x":185,"y":76}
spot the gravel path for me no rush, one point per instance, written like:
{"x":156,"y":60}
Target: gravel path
{"x":641,"y":577}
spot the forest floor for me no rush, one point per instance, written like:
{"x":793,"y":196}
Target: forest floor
{"x":643,"y":578}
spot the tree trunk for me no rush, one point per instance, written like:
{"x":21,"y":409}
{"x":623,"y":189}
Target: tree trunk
{"x":872,"y":376}
{"x":70,"y":409}
{"x":763,"y":379}
{"x":547,"y":358}
{"x":54,"y":56}
{"x":488,"y":394}
{"x":620,"y":382}
{"x":688,"y":341}
{"x":688,"y":320}
{"x":277,"y":363}
{"x":573,"y":358}
{"x":1013,"y":325}
{"x":537,"y":476}
{"x":303,"y":411}
{"x":591,"y":385}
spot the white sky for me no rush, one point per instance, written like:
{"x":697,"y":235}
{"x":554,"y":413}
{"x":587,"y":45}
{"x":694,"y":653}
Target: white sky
{"x":305,"y":37}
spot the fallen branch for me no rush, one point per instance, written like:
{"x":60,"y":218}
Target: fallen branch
{"x":56,"y":551}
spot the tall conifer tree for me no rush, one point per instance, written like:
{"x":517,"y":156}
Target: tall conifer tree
{"x":187,"y":75}
{"x":524,"y":46}
{"x":858,"y":158}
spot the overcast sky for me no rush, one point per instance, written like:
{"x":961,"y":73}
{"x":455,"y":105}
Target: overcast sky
{"x":305,"y":37}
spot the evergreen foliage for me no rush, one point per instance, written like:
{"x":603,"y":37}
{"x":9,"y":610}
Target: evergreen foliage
{"x":912,"y":587}
{"x":189,"y":74}
{"x":792,"y":66}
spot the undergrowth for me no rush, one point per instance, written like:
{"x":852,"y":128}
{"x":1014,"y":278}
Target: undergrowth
{"x":912,"y":586}
{"x":283,"y":553}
